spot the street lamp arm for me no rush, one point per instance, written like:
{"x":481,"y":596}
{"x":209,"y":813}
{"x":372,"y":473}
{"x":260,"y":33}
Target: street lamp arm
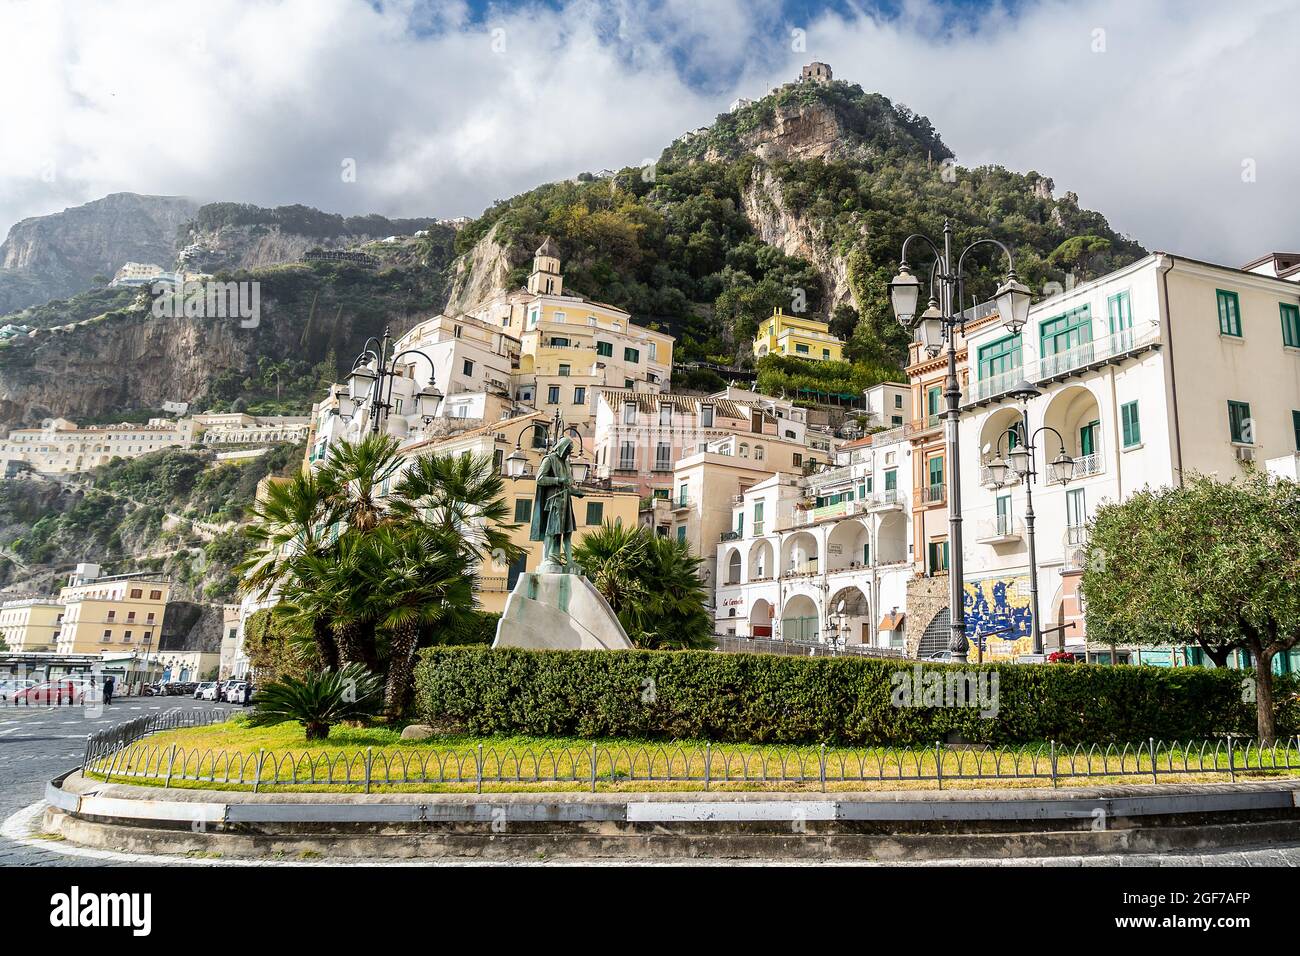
{"x":938,"y":253}
{"x":1047,"y":428}
{"x":1011,"y":261}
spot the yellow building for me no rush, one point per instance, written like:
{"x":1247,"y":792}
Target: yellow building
{"x":111,"y":614}
{"x":31,"y":624}
{"x":797,"y":337}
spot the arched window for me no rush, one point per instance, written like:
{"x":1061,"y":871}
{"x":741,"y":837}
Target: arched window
{"x":758,"y":452}
{"x":744,"y":450}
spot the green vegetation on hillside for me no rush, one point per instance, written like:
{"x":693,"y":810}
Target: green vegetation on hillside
{"x":299,"y":220}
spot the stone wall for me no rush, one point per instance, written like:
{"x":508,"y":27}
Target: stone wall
{"x":926,"y":597}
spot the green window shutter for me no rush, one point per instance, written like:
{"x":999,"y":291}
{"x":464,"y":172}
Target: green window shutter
{"x":681,"y":534}
{"x":1121,"y":312}
{"x":605,"y":348}
{"x":1000,"y":357}
{"x":1290,"y":325}
{"x":891,"y":479}
{"x":1088,"y":438}
{"x":631,"y":355}
{"x":1295,"y":426}
{"x":1238,"y":423}
{"x":595,"y":512}
{"x":523,"y":509}
{"x":936,"y":471}
{"x":1131,"y":425}
{"x":1229,"y":313}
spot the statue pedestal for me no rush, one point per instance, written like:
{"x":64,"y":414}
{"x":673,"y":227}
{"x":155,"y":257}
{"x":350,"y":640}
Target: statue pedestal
{"x":561,"y":612}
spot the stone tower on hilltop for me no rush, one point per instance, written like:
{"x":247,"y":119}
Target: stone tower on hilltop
{"x":546,"y":278}
{"x":817,"y":73}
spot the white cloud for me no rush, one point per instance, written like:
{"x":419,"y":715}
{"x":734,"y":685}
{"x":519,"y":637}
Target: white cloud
{"x":262,"y":100}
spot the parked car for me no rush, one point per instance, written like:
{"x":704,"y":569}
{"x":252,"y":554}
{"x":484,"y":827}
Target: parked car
{"x":13,"y":685}
{"x":235,"y":692}
{"x":207,"y":690}
{"x":52,"y":692}
{"x":944,"y":656}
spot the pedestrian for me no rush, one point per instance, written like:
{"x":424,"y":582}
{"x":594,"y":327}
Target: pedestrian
{"x":108,"y":689}
{"x":248,"y":692}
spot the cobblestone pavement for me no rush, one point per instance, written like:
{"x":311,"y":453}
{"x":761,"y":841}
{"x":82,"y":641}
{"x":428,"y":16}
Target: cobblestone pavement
{"x":39,"y":743}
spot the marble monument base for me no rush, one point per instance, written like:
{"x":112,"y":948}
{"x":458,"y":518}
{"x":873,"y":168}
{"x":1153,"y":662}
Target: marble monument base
{"x":560,"y":612}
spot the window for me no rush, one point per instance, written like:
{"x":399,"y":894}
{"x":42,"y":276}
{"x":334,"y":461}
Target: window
{"x":458,"y":330}
{"x":628,"y":383}
{"x":126,"y":637}
{"x":1240,"y":426}
{"x":564,"y":370}
{"x":1290,"y":325}
{"x":758,"y":518}
{"x":891,"y":479}
{"x":665,"y":414}
{"x":801,"y":349}
{"x":468,"y":367}
{"x":580,"y":395}
{"x":933,"y":396}
{"x":559,"y":342}
{"x":797,"y":459}
{"x":136,"y":592}
{"x":758,"y":452}
{"x":1004,"y":514}
{"x":1064,"y":332}
{"x":605,"y":348}
{"x":1295,"y":427}
{"x":523,"y":509}
{"x":148,"y":636}
{"x":108,"y":635}
{"x":681,"y":494}
{"x":130,"y":617}
{"x":112,"y":615}
{"x":1090,"y":438}
{"x":1130,"y":425}
{"x":553,"y":395}
{"x":744,"y":450}
{"x":1076,"y":514}
{"x":706,"y":416}
{"x":631,"y":355}
{"x":654,"y":352}
{"x":1229,"y":313}
{"x":1000,"y":357}
{"x":517,"y":567}
{"x":558,"y":317}
{"x":595,"y":512}
{"x":826,"y":353}
{"x":629,"y":413}
{"x":938,"y":556}
{"x":627,"y":457}
{"x":898,"y":401}
{"x":663,"y":457}
{"x":681,"y":534}
{"x":1121,"y":312}
{"x":936,"y":477}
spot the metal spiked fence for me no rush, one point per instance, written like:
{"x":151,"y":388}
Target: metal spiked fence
{"x":122,"y":754}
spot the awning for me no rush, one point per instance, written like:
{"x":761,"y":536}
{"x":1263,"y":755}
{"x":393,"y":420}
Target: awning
{"x":892,"y":622}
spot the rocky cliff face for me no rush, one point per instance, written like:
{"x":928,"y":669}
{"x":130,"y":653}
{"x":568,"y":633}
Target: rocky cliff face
{"x":55,"y":256}
{"x":481,"y":272}
{"x":795,"y":235}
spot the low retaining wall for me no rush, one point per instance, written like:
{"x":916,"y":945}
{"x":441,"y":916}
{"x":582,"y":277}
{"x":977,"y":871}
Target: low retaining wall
{"x":906,"y":825}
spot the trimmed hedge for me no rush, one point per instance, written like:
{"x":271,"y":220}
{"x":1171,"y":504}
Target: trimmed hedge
{"x":761,"y":698}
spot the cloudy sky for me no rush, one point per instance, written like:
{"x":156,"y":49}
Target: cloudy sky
{"x":1176,"y":118}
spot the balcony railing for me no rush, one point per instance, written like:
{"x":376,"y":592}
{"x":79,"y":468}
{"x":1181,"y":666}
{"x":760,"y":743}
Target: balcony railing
{"x":889,"y":498}
{"x":801,"y":570}
{"x":1063,"y":363}
{"x":730,"y":536}
{"x":1000,"y":528}
{"x":1088,"y":465}
{"x":1076,"y":547}
{"x":934,"y":494}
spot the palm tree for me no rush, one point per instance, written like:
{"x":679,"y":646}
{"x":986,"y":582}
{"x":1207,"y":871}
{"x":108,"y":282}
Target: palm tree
{"x":358,"y":471}
{"x":419,"y":579}
{"x":652,"y":584}
{"x":293,"y":527}
{"x":318,"y":700}
{"x":462,"y":496}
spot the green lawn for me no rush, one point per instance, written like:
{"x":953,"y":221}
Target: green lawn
{"x":232,"y":756}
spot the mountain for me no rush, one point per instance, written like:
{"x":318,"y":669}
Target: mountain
{"x":800,"y":200}
{"x":51,"y":257}
{"x":805,"y":194}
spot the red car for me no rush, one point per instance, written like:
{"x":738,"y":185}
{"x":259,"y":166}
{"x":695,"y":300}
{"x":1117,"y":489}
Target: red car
{"x":52,"y":692}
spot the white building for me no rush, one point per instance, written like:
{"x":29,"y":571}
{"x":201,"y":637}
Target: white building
{"x":62,"y":447}
{"x":824,"y":555}
{"x":1162,"y":369}
{"x":238,"y":428}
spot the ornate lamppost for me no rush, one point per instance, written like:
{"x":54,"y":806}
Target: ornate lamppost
{"x":552,"y":431}
{"x":936,"y":326}
{"x":1020,"y":460}
{"x":370,"y":384}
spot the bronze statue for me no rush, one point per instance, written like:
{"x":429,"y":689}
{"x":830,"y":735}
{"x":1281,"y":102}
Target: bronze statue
{"x":553,"y":522}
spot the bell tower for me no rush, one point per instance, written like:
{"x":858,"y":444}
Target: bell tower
{"x":546,"y":278}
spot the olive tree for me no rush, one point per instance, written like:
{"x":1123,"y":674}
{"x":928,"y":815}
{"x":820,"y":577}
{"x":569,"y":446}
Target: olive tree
{"x":1212,"y":563}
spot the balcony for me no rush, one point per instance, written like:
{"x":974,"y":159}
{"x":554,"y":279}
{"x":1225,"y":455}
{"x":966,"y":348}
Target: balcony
{"x":730,"y":536}
{"x":886,"y":500}
{"x":1088,"y":465}
{"x":1076,"y":548}
{"x":1000,"y":530}
{"x":1054,"y":368}
{"x":934,"y":494}
{"x":802,"y":570}
{"x":682,"y":504}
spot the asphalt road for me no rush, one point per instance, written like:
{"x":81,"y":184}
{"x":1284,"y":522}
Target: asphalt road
{"x":38,"y":743}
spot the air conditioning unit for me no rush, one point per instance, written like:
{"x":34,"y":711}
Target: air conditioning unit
{"x":1244,"y":452}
